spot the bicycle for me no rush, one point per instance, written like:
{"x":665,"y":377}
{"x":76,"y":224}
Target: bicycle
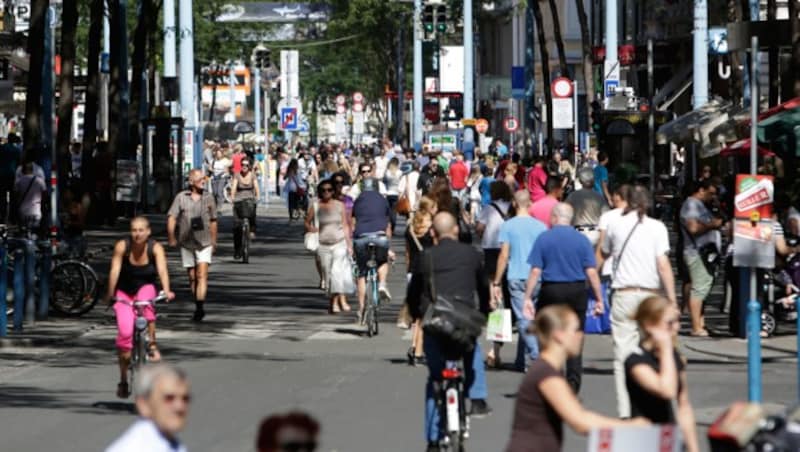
{"x":141,"y":340}
{"x":373,"y":303}
{"x":450,"y":403}
{"x":301,"y":207}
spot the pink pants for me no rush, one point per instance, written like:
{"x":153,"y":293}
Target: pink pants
{"x":126,"y":314}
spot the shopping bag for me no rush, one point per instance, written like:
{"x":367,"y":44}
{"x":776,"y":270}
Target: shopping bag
{"x":346,"y":273}
{"x":598,"y":324}
{"x":498,"y":327}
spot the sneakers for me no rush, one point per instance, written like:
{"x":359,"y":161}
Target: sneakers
{"x":383,"y":294}
{"x":479,"y":408}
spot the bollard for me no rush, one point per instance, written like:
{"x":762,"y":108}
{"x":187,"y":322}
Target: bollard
{"x":30,"y":280}
{"x":3,"y":291}
{"x":754,"y":350}
{"x":19,"y":288}
{"x":44,"y":284}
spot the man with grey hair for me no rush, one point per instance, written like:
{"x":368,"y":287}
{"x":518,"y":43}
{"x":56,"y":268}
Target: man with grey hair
{"x":588,"y":206}
{"x":162,"y":400}
{"x":563,"y":259}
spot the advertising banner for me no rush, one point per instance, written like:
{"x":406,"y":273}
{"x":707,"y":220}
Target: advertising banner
{"x":753,"y":228}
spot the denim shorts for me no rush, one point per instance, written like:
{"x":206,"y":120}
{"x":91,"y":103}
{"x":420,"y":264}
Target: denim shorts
{"x":361,"y":250}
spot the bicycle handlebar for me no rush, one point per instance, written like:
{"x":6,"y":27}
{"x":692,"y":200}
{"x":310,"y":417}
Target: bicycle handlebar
{"x":162,"y":296}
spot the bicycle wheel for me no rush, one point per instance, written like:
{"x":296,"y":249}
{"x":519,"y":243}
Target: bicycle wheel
{"x":91,"y":290}
{"x":246,"y":241}
{"x":226,"y":191}
{"x":68,"y":289}
{"x":375,"y":305}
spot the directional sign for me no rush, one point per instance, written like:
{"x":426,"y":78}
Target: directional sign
{"x":289,"y":119}
{"x":511,"y":124}
{"x":609,"y":86}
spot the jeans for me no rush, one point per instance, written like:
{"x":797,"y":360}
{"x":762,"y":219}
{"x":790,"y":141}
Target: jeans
{"x":218,"y":189}
{"x":243,"y":210}
{"x":527,"y":342}
{"x":474,"y":382}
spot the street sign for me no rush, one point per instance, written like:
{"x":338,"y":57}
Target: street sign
{"x":609,"y":86}
{"x":305,"y":126}
{"x":289,"y":119}
{"x":341,"y":109}
{"x":466,"y":122}
{"x":358,"y":102}
{"x":358,"y":123}
{"x":341,"y":127}
{"x":753,"y":228}
{"x":562,"y":113}
{"x":481,"y":126}
{"x":518,"y":82}
{"x":358,"y":108}
{"x":561,"y":88}
{"x":511,"y":124}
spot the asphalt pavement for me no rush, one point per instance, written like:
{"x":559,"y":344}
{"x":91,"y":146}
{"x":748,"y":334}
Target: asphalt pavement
{"x":268,"y":345}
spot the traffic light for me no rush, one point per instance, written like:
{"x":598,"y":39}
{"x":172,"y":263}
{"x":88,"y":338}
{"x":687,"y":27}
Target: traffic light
{"x":596,"y":117}
{"x":428,"y":20}
{"x":441,"y":18}
{"x":262,"y":57}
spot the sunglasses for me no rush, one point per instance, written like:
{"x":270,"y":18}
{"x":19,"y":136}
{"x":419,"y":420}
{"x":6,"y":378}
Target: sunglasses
{"x":365,"y":171}
{"x":297,"y":446}
{"x":171,"y":398}
{"x":326,"y":190}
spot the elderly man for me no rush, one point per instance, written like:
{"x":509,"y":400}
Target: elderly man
{"x":162,"y":400}
{"x":588,"y":206}
{"x":563,"y":259}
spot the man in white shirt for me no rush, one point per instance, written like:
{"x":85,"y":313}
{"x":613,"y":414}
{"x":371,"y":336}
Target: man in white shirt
{"x":162,"y":400}
{"x":619,"y":199}
{"x":641,"y":269}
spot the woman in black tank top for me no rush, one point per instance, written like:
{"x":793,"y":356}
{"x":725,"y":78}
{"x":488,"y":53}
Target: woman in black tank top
{"x":137,"y":265}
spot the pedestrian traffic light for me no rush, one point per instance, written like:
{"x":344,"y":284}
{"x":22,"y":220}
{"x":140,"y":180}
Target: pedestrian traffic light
{"x":441,"y":18}
{"x":428,"y":20}
{"x":262,"y":57}
{"x":597,"y":120}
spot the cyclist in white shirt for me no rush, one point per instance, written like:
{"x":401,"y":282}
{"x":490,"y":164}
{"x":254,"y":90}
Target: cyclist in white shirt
{"x":162,"y":400}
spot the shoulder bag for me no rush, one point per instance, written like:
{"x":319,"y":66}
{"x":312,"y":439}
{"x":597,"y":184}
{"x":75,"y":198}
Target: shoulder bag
{"x":709,"y":253}
{"x":403,"y":206}
{"x":454,"y":324}
{"x":311,"y":239}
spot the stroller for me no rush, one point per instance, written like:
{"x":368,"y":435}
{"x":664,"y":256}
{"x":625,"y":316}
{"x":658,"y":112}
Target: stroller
{"x":782,"y":288}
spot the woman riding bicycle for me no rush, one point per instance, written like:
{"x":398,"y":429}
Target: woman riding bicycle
{"x":244,"y":192}
{"x":138,"y":262}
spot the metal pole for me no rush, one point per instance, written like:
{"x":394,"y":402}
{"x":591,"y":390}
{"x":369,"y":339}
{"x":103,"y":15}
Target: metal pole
{"x":400,"y":121}
{"x":187,"y":77}
{"x":417,"y":118}
{"x":611,"y":33}
{"x":105,"y":76}
{"x":469,"y":73}
{"x":700,"y":66}
{"x":753,"y":306}
{"x":651,"y":118}
{"x":232,"y":92}
{"x":575,"y":125}
{"x":3,"y":286}
{"x":511,"y":134}
{"x":257,"y":101}
{"x":170,"y":56}
{"x":49,"y":160}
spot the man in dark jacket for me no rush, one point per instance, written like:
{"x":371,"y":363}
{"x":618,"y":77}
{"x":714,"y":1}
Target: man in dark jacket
{"x":456,"y":270}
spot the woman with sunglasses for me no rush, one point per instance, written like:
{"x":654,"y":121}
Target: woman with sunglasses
{"x":545,"y":399}
{"x":244,"y":192}
{"x":655,"y":374}
{"x":335,"y":246}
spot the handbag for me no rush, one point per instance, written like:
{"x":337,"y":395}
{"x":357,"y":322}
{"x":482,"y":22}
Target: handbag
{"x":454,"y":323}
{"x":311,"y":239}
{"x":709,"y":253}
{"x":403,"y":206}
{"x":598,"y":324}
{"x":498,"y":326}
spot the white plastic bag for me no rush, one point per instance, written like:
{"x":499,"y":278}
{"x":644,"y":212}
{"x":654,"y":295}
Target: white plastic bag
{"x":498,"y":326}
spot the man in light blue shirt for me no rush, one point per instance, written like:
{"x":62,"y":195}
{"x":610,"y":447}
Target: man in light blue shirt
{"x":517,"y":237}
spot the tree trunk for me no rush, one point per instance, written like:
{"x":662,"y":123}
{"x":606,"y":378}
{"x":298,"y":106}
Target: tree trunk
{"x":138,"y":62}
{"x":735,"y":88}
{"x":586,"y":44}
{"x":774,"y":76}
{"x":794,"y":66}
{"x":548,"y":97}
{"x":153,"y":52}
{"x":562,"y":56}
{"x":92,"y":97}
{"x":31,"y":138}
{"x":69,"y":24}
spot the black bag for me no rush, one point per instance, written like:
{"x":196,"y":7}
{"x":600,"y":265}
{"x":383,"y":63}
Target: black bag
{"x":709,"y":253}
{"x":455,"y":324}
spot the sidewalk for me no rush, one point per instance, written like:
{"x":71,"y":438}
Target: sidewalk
{"x":735,"y":349}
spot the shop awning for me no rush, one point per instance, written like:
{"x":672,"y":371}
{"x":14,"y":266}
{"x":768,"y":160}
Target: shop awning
{"x":742,"y":149}
{"x":781,"y":132}
{"x":696,"y":125}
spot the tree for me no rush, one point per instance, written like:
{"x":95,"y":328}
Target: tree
{"x":548,"y":97}
{"x":562,"y":57}
{"x":69,"y":24}
{"x":774,"y":77}
{"x":144,"y":22}
{"x":586,"y":46}
{"x":92,"y":87}
{"x":792,"y":75}
{"x":33,"y":100}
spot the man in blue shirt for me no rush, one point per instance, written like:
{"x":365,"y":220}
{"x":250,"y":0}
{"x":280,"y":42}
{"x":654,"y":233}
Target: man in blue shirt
{"x":371,"y":216}
{"x":517,"y":238}
{"x":601,"y":176}
{"x":563,"y":259}
{"x":500,"y":148}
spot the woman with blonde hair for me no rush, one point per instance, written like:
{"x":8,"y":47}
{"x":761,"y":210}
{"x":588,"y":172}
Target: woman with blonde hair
{"x":655,"y":374}
{"x":545,"y":399}
{"x":509,"y":176}
{"x":418,"y":239}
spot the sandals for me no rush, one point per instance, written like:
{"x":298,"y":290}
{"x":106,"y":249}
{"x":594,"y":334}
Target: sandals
{"x":153,"y":353}
{"x":123,"y":391}
{"x":493,"y":362}
{"x":700,"y":333}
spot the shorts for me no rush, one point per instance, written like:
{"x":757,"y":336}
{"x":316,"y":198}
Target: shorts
{"x":126,"y":315}
{"x":191,"y":258}
{"x":702,"y":281}
{"x":360,"y":247}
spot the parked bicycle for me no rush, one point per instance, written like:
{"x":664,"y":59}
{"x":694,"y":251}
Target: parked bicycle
{"x":450,"y":403}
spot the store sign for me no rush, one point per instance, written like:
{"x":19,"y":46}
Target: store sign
{"x":753,"y":228}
